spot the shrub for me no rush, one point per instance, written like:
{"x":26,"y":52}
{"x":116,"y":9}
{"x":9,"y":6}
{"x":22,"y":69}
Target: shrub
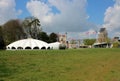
{"x":116,"y":44}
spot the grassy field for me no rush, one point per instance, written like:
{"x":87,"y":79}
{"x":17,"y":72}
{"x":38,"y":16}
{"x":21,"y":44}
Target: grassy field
{"x":60,"y":65}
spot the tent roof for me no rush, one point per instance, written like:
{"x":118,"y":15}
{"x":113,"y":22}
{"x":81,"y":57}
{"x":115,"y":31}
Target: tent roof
{"x":55,"y":45}
{"x":28,"y":43}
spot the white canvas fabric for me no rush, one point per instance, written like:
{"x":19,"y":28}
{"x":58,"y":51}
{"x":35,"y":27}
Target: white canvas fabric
{"x":28,"y":44}
{"x":55,"y":45}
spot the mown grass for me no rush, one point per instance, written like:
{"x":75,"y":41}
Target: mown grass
{"x":60,"y":65}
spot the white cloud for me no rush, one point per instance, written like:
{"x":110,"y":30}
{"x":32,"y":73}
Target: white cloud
{"x":7,"y":10}
{"x":112,"y":17}
{"x":72,"y":16}
{"x":40,"y":10}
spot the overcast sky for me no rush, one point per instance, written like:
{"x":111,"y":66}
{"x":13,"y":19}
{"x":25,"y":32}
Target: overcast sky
{"x":76,"y":17}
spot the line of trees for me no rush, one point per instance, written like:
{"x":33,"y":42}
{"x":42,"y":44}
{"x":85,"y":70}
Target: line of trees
{"x":30,"y":27}
{"x":89,"y":41}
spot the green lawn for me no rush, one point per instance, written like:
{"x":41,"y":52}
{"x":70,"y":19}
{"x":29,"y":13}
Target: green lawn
{"x":60,"y":65}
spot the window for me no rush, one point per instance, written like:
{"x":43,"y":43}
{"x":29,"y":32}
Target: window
{"x":13,"y":48}
{"x":43,"y":48}
{"x":36,"y":48}
{"x":19,"y":48}
{"x":8,"y":47}
{"x":28,"y":48}
{"x":48,"y":48}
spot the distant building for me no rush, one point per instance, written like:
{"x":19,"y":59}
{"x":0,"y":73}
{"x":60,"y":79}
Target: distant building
{"x":115,"y":39}
{"x":72,"y":43}
{"x":62,"y":38}
{"x":102,"y":35}
{"x":102,"y":40}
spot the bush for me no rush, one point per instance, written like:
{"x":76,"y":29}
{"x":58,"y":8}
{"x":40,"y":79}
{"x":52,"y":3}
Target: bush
{"x":116,"y":45}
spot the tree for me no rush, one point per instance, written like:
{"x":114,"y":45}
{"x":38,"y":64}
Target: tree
{"x":12,"y":31}
{"x":89,"y":41}
{"x":73,"y":41}
{"x":2,"y":44}
{"x":43,"y":36}
{"x":32,"y":26}
{"x":36,"y":24}
{"x":108,"y":40}
{"x":116,"y":44}
{"x":53,"y":37}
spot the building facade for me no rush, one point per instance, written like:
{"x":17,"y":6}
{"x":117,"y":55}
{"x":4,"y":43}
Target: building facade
{"x":62,"y":38}
{"x":102,"y":35}
{"x":102,"y":40}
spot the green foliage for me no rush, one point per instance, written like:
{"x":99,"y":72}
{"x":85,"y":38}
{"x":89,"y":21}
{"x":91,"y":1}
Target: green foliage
{"x":60,"y":65}
{"x":116,"y":44}
{"x":43,"y":36}
{"x":89,"y":41}
{"x":16,"y":29}
{"x":108,"y":40}
{"x":53,"y":37}
{"x":73,"y":42}
{"x":47,"y":38}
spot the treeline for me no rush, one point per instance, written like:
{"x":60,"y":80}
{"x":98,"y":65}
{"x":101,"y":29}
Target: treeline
{"x":17,"y":29}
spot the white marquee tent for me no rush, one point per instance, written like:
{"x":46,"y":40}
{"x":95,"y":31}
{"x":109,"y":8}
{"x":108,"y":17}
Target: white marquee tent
{"x":55,"y":45}
{"x":28,"y":44}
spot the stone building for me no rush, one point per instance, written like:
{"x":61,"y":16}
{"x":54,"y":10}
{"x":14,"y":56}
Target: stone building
{"x":115,"y":39}
{"x":102,"y":35}
{"x":62,"y":38}
{"x":102,"y":40}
